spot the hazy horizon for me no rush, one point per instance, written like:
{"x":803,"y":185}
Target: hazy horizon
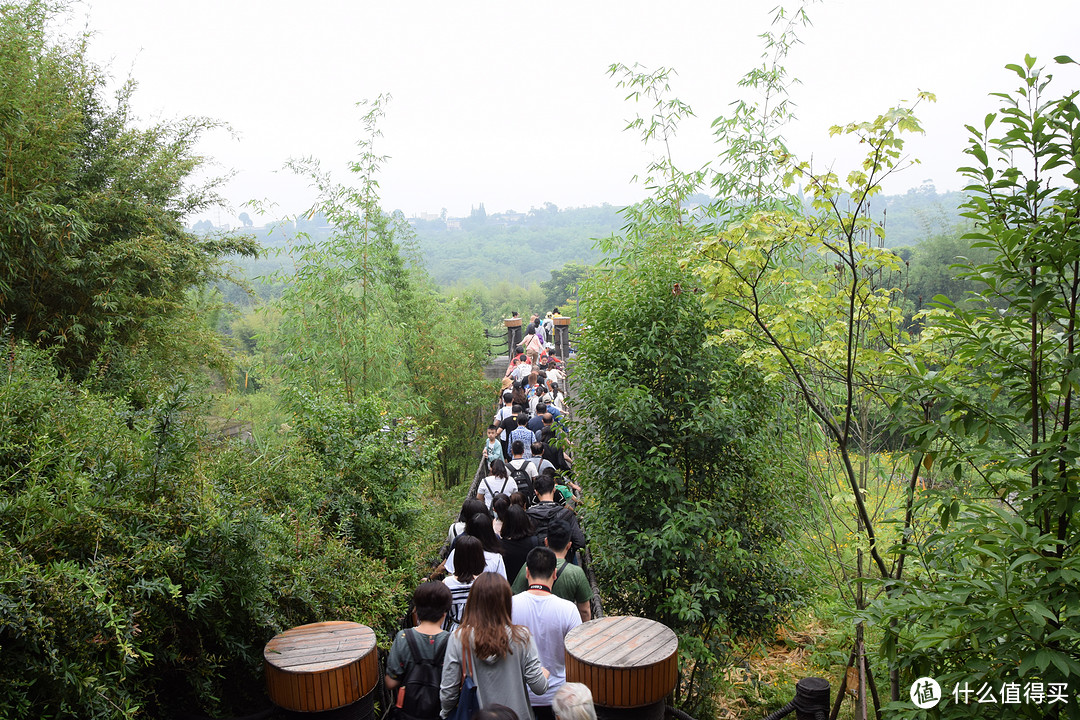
{"x":510,"y":105}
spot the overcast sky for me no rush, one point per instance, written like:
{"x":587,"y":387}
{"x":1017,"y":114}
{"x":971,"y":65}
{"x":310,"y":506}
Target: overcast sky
{"x":510,"y":104}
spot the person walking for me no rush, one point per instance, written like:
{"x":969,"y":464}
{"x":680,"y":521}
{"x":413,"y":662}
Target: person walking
{"x":423,"y":646}
{"x":470,"y":564}
{"x":502,"y":657}
{"x":549,"y":618}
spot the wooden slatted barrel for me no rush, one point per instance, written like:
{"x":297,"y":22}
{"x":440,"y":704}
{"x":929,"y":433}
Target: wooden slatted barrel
{"x":322,"y":666}
{"x":629,"y":663}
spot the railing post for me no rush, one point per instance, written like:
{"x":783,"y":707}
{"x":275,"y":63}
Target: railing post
{"x":513,"y":334}
{"x":562,"y":336}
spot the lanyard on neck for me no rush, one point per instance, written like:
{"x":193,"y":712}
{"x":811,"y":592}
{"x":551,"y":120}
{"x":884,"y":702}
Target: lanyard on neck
{"x":538,"y":586}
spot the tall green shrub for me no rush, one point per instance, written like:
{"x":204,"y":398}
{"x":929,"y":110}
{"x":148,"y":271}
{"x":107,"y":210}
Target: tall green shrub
{"x":144,"y":564}
{"x":994,"y":596}
{"x":94,"y":257}
{"x":678,"y":455}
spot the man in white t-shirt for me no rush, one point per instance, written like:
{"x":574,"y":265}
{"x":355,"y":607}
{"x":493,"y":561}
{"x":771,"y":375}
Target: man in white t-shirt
{"x":548,"y":618}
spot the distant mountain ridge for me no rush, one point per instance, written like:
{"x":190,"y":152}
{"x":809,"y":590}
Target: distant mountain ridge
{"x":526,"y":247}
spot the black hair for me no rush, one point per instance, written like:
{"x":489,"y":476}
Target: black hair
{"x":470,"y":507}
{"x":522,"y":418}
{"x":541,"y":563}
{"x":537,"y":448}
{"x":558,"y":535}
{"x":517,"y":523}
{"x":499,"y":504}
{"x":493,"y":426}
{"x":498,"y":468}
{"x":480,"y":527}
{"x":517,"y":447}
{"x":541,"y":408}
{"x":496,"y":712}
{"x":431,"y":601}
{"x":544,"y":484}
{"x":469,"y":560}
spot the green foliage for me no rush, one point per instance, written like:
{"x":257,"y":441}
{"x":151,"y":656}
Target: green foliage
{"x":748,"y":173}
{"x":563,"y":286}
{"x":933,"y":269}
{"x":812,"y":298}
{"x":367,"y":466}
{"x":677,"y":458}
{"x":446,"y":373}
{"x":358,"y":320}
{"x":94,"y":259}
{"x":143,"y":564}
{"x":523,"y":252}
{"x":491,"y":303}
{"x":346,"y":310}
{"x":1008,"y":570}
{"x":920,"y":214}
{"x":664,"y":213}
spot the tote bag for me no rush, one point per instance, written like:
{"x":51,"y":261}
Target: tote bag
{"x":468,"y":702}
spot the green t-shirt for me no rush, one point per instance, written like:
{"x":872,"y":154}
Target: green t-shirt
{"x":570,"y":583}
{"x":400,"y":659}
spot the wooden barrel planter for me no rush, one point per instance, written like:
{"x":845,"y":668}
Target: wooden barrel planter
{"x":328,"y":668}
{"x":629,"y":663}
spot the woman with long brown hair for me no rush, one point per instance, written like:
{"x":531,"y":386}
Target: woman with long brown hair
{"x":501,"y":656}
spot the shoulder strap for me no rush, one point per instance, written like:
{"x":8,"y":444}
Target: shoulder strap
{"x":558,"y":572}
{"x":413,"y":647}
{"x":466,"y":658}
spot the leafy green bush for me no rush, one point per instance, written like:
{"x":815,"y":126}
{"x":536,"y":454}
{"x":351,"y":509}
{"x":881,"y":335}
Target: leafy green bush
{"x":678,"y":458}
{"x":143,"y":564}
{"x":994,"y":596}
{"x":95,"y":260}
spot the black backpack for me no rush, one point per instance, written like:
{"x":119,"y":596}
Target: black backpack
{"x":418,"y":696}
{"x":524,"y":483}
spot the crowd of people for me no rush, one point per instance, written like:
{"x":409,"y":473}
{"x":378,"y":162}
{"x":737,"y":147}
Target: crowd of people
{"x":512,"y":589}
